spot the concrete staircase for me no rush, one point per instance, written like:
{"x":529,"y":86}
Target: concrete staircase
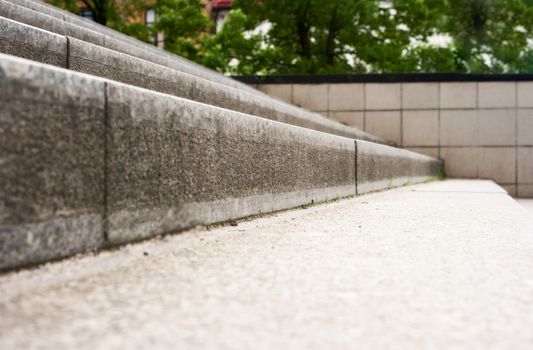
{"x":105,"y":140}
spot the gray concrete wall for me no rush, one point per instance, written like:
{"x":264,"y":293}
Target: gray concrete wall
{"x":89,"y":162}
{"x":481,"y":129}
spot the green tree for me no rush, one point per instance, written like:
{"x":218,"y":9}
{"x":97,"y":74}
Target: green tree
{"x":312,"y":36}
{"x":338,"y":36}
{"x":468,"y":23}
{"x":343,"y":36}
{"x":237,"y":48}
{"x":184,"y":25}
{"x":487,"y":35}
{"x":420,"y":20}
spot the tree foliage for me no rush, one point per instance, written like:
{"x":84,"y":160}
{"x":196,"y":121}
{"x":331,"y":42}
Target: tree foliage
{"x":237,"y":48}
{"x":493,"y":35}
{"x":183,"y":24}
{"x":343,"y":36}
{"x":340,"y":36}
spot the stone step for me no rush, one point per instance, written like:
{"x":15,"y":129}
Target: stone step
{"x":89,"y":162}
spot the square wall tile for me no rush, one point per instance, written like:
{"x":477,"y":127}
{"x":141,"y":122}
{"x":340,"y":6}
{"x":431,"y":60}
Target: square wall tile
{"x":354,"y":119}
{"x":458,"y":127}
{"x":524,"y":191}
{"x":497,"y":127}
{"x":428,"y":151}
{"x":498,"y":164}
{"x":383,"y":96}
{"x":311,"y":96}
{"x":384,"y":124}
{"x":458,"y":95}
{"x":525,"y":127}
{"x":460,"y":162}
{"x":497,"y":95}
{"x":280,"y":91}
{"x":525,"y":94}
{"x":346,"y":97}
{"x":420,"y":128}
{"x":525,"y":165}
{"x":420,"y":95}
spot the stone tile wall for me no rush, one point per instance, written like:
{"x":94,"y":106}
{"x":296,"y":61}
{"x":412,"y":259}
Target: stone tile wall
{"x":480,"y":129}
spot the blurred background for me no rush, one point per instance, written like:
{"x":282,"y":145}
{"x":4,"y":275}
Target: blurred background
{"x":269,"y":37}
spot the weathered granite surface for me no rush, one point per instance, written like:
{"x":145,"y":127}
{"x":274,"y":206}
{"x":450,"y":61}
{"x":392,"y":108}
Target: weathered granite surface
{"x":51,"y":162}
{"x":381,"y":167}
{"x":96,"y":60}
{"x":43,"y":21}
{"x":174,"y":164}
{"x":32,"y":43}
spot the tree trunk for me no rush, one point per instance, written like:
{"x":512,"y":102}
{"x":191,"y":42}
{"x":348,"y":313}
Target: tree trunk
{"x":302,"y":26}
{"x":99,"y":9}
{"x":330,"y":41}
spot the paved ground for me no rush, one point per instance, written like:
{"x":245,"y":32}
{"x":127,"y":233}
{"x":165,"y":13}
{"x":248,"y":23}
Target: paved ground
{"x":444,"y":265}
{"x":526,"y":203}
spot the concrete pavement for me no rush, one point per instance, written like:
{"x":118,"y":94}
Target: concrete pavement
{"x":526,"y":203}
{"x":444,"y":265}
